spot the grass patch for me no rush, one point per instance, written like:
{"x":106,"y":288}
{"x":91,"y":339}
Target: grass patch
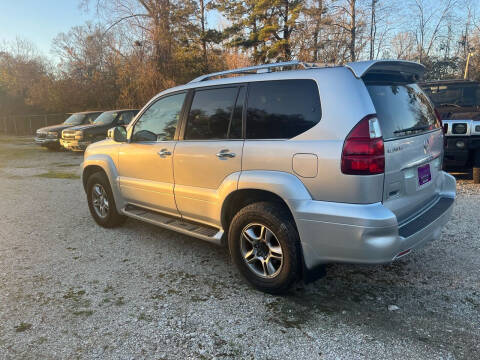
{"x":58,"y":175}
{"x":144,"y":317}
{"x":14,"y":153}
{"x":23,"y":327}
{"x":66,"y":165}
{"x":74,"y":295}
{"x":85,"y":313}
{"x":9,"y":139}
{"x":120,"y":301}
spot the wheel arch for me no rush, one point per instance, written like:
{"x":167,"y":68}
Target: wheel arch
{"x":263,"y":185}
{"x":240,"y":198}
{"x":103,"y":163}
{"x":88,"y":171}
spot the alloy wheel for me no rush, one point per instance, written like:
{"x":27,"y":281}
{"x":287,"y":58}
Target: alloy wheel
{"x":261,"y":250}
{"x":100,"y":201}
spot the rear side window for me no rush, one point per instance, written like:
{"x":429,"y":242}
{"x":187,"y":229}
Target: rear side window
{"x":402,"y":110}
{"x":445,"y":95}
{"x":211,"y":113}
{"x":282,"y":109}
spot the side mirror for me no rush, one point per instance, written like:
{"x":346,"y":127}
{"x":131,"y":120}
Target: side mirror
{"x":117,"y":134}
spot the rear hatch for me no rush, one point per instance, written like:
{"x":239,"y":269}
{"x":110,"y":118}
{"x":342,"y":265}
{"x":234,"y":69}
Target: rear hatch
{"x":413,"y":141}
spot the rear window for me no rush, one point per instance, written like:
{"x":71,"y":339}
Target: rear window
{"x":282,"y":109}
{"x":402,"y":110}
{"x":463,"y":95}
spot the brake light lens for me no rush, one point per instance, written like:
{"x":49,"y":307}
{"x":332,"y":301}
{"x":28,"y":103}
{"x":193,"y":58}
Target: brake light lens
{"x":363,"y":151}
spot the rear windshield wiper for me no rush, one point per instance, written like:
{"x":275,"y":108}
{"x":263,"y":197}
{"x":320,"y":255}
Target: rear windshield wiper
{"x":413,"y":128}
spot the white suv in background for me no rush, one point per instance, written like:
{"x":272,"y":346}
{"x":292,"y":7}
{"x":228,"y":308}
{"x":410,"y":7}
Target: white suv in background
{"x":291,"y":169}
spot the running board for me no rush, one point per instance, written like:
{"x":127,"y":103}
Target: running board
{"x":190,"y":228}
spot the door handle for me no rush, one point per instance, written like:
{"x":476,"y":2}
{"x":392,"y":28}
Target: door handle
{"x":225,"y":154}
{"x":164,"y":152}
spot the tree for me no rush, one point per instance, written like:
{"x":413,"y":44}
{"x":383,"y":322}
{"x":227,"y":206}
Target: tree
{"x":265,"y":27}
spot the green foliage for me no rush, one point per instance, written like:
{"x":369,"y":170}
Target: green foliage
{"x":146,"y":46}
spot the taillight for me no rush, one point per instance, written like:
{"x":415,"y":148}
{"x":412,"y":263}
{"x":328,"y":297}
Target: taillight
{"x":363,"y":151}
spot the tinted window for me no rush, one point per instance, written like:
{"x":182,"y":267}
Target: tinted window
{"x":106,"y":118}
{"x":75,"y":119}
{"x":210,"y":113}
{"x":402,"y":109}
{"x":125,"y":118}
{"x":454,"y":94}
{"x":90,"y":118}
{"x":160,"y":120}
{"x":282,"y":109}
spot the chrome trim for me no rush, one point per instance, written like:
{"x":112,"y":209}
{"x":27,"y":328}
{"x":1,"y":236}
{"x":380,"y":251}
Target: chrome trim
{"x":225,"y":154}
{"x":164,"y":152}
{"x":419,"y":162}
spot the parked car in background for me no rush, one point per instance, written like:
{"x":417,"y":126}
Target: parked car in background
{"x":49,"y":136}
{"x":458,"y":105}
{"x":291,"y":169}
{"x":79,"y":137}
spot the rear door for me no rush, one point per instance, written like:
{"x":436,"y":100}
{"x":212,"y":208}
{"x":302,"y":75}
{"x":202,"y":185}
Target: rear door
{"x":210,"y":151}
{"x":413,"y":146}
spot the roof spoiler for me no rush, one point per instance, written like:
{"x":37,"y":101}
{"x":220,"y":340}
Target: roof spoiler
{"x":408,"y":69}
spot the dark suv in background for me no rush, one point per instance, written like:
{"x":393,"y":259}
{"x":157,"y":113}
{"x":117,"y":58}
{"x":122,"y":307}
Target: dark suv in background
{"x":79,"y":137}
{"x":49,"y":136}
{"x":458,"y":105}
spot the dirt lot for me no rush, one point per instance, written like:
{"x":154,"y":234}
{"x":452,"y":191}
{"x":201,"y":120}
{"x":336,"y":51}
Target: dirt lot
{"x":70,"y":289}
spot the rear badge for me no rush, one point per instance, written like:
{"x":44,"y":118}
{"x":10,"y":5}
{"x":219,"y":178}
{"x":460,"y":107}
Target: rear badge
{"x":394,"y":149}
{"x":424,"y":174}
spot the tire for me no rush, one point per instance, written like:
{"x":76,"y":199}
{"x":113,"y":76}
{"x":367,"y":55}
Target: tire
{"x":476,"y":167}
{"x":98,"y":188}
{"x":476,"y":175}
{"x":265,"y":271}
{"x":54,"y":147}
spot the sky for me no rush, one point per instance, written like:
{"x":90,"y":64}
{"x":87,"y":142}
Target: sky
{"x":39,"y":21}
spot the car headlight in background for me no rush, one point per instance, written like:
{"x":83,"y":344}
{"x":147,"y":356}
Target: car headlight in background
{"x":459,"y":128}
{"x":477,"y":128}
{"x":78,"y":135}
{"x":52,"y":134}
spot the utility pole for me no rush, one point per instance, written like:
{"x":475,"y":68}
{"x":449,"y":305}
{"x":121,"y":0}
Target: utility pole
{"x":465,"y":76}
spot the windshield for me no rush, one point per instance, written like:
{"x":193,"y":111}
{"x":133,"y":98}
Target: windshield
{"x":75,"y":119}
{"x":402,"y":110}
{"x":465,"y":95}
{"x":105,"y":118}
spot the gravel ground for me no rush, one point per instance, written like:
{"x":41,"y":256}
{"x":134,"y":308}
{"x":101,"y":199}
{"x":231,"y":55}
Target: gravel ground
{"x":70,"y":289}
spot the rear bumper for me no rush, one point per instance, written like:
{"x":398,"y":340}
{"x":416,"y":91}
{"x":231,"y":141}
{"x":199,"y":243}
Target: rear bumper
{"x":74,"y":145}
{"x":368,"y":234}
{"x":456,"y":156}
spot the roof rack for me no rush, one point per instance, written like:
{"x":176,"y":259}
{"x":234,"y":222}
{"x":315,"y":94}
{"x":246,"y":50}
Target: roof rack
{"x":259,"y":69}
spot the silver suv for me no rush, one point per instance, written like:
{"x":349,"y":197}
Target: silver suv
{"x":291,"y":169}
